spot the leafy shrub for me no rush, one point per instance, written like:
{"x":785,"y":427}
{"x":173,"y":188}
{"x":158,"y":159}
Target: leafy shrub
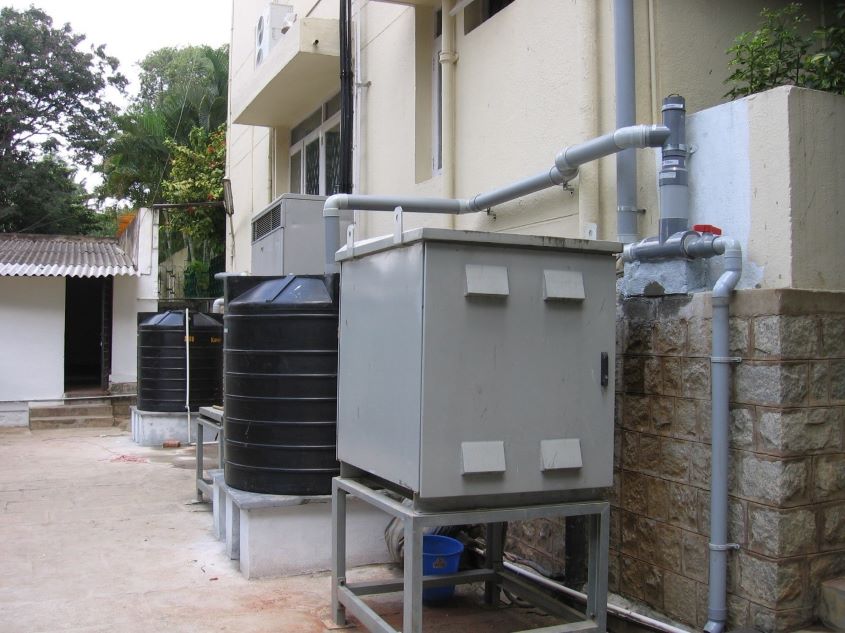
{"x":781,"y":53}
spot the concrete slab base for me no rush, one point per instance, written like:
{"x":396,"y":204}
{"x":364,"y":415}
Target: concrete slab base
{"x":14,"y":414}
{"x":286,"y":535}
{"x":152,"y":428}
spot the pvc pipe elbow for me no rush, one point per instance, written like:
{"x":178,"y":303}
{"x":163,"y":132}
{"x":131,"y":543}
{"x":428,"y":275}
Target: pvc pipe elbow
{"x":333,"y":205}
{"x":729,"y":247}
{"x":641,"y":136}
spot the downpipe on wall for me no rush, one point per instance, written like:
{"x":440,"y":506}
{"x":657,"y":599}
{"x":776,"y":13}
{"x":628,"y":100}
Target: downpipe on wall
{"x":626,"y":106}
{"x":692,"y":245}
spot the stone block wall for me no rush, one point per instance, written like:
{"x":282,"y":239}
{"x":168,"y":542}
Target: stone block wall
{"x":787,"y":470}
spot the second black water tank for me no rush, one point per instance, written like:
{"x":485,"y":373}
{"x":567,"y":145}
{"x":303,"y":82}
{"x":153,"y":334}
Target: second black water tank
{"x":280,"y":394}
{"x":162,"y":362}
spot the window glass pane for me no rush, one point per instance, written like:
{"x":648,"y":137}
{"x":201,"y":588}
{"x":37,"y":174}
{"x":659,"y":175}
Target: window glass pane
{"x":333,"y":105}
{"x":296,"y":173}
{"x":312,"y":167}
{"x":310,"y":124}
{"x":333,"y":161}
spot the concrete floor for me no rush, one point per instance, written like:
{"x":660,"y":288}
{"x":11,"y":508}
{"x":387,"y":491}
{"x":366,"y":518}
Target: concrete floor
{"x":98,"y":534}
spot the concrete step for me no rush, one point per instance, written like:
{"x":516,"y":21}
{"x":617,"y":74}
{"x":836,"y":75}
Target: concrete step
{"x":832,"y":604}
{"x":98,"y":409}
{"x":71,"y":421}
{"x":121,"y":410}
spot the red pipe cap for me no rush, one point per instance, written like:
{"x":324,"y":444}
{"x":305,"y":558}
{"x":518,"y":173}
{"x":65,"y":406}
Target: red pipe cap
{"x":707,"y":228}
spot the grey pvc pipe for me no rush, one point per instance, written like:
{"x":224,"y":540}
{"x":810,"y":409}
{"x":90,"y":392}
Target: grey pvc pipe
{"x":331,"y":235}
{"x":565,"y":168}
{"x":717,"y":610}
{"x":674,"y":177}
{"x":691,"y":244}
{"x":516,"y":190}
{"x":626,"y":161}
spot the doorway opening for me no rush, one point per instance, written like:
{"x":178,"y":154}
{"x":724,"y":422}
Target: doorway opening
{"x":88,"y":323}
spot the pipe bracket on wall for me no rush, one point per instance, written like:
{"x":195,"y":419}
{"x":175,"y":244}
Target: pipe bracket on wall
{"x":730,"y":360}
{"x":398,"y":225}
{"x":716,"y":547}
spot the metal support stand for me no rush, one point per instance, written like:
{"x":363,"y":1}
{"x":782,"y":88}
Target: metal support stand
{"x":347,"y":596}
{"x":212,"y":419}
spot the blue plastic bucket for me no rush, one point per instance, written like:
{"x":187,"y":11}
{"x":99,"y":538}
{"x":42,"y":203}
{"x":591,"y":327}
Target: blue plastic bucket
{"x":441,"y":555}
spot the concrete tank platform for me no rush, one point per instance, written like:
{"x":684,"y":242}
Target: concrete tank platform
{"x":286,"y":535}
{"x":152,"y":428}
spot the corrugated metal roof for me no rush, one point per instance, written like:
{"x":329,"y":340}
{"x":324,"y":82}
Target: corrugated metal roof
{"x":24,"y":255}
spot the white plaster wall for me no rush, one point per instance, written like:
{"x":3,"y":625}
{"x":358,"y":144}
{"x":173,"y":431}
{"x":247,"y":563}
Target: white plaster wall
{"x":32,"y":337}
{"x":720,"y":181}
{"x":132,"y":295}
{"x":768,"y":170}
{"x":250,"y":162}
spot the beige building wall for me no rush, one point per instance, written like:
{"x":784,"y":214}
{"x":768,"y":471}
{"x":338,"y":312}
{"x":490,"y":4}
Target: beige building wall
{"x":530,"y":80}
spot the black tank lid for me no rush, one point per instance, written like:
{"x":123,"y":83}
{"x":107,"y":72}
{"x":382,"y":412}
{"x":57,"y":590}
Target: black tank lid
{"x":291,"y":293}
{"x":176,"y":318}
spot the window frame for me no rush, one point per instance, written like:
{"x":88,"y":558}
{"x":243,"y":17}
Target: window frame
{"x":327,"y":124}
{"x":436,"y":101}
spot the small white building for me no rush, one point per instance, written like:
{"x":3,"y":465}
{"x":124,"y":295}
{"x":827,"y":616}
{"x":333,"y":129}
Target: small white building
{"x":69,"y":309}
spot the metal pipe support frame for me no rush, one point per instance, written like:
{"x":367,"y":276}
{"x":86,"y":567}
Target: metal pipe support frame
{"x":495,"y":575}
{"x":202,"y":422}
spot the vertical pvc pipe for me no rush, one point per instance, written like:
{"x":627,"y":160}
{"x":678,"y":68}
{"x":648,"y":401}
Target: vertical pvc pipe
{"x":717,"y":610}
{"x":626,"y":161}
{"x":188,"y":369}
{"x":448,"y":59}
{"x":674,"y":177}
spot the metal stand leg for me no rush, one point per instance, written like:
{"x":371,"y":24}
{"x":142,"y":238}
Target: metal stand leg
{"x":347,"y":596}
{"x":338,"y":551}
{"x":199,"y":458}
{"x":495,"y":538}
{"x":598,"y":536}
{"x":412,"y":619}
{"x":220,"y":443}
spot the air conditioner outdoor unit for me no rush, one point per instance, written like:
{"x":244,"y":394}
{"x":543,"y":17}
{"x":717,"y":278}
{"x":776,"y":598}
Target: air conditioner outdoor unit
{"x":270,"y":27}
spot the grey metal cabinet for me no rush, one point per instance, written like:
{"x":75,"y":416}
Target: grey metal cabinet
{"x":478,"y":365}
{"x":288,"y":237}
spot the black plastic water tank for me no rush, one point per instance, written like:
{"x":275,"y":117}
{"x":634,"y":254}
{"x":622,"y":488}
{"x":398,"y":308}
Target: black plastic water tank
{"x":161,"y":361}
{"x":280,"y":397}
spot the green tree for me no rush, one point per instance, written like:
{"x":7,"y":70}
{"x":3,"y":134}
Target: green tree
{"x":181,"y":89}
{"x":40,"y":196}
{"x":52,"y":105}
{"x":196,"y":175}
{"x":191,"y":81}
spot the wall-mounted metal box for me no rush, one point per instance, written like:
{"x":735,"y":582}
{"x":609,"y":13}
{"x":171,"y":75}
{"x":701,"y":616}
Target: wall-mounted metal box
{"x":288,"y":236}
{"x":476,"y":368}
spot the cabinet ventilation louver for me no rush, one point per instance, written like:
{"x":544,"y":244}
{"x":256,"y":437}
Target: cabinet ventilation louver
{"x":267,"y":223}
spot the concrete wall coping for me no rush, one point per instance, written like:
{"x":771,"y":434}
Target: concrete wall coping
{"x":744,"y":303}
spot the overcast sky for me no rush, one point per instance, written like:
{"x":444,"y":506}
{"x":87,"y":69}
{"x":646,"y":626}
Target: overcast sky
{"x":132,"y":29}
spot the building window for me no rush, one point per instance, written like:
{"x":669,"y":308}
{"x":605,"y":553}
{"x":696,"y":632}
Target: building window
{"x":315,"y":151}
{"x":482,"y":10}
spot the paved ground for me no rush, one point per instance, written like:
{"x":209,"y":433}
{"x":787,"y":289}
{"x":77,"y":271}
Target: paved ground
{"x":100,"y":535}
